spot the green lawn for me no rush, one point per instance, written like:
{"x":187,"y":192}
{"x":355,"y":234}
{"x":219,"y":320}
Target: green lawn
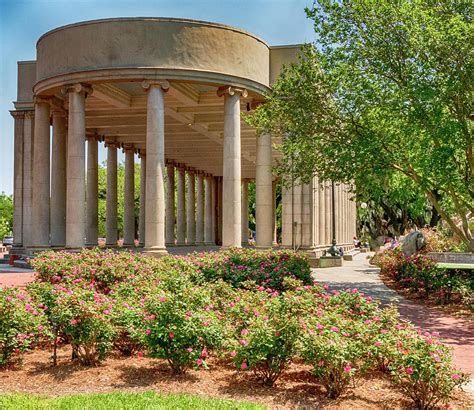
{"x":113,"y":401}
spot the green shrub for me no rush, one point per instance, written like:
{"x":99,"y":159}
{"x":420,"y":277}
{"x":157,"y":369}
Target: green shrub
{"x":22,"y":323}
{"x":422,"y":368}
{"x":264,"y":334}
{"x":181,"y":327}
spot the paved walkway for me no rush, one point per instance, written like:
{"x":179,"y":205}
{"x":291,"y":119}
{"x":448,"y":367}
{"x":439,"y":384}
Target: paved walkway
{"x":458,"y":333}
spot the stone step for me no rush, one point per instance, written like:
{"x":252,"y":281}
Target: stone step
{"x":20,"y":263}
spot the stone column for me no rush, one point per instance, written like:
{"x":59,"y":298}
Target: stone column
{"x":191,"y":210}
{"x":328,"y":213}
{"x":111,"y":196}
{"x":155,"y":167}
{"x":286,"y":217}
{"x":92,"y":195}
{"x":58,"y":180}
{"x":231,"y":200}
{"x":219,"y":219}
{"x":316,"y":193}
{"x":245,"y":212}
{"x":263,"y":192}
{"x":337,"y":210}
{"x":322,"y":213}
{"x":214,"y":209}
{"x":274,"y":211}
{"x":208,"y":225}
{"x":181,"y":212}
{"x":200,"y":210}
{"x":170,"y":208}
{"x":129,"y":198}
{"x":41,"y":175}
{"x":28,"y":176}
{"x":76,"y":167}
{"x":19,"y":117}
{"x":141,"y":226}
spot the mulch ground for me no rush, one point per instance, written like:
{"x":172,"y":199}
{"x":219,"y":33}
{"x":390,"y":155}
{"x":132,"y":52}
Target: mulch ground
{"x":296,"y":389}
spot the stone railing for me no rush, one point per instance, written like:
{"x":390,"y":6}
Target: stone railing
{"x":451,"y":257}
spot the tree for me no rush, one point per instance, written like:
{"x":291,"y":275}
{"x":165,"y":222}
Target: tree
{"x":6,"y":215}
{"x":386,"y":90}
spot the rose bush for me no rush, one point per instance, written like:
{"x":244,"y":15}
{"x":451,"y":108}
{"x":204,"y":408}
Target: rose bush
{"x":260,"y":314}
{"x":421,"y":275}
{"x":22,"y":323}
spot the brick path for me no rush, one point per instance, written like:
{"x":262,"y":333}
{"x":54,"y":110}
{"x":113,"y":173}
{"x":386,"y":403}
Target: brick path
{"x":457,"y":333}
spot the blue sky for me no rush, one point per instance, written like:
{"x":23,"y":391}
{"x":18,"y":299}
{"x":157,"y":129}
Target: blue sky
{"x":22,"y":22}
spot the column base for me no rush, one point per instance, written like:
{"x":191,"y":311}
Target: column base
{"x":263,"y":247}
{"x":156,"y":252}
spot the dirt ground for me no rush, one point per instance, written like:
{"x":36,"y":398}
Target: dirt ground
{"x":296,"y":389}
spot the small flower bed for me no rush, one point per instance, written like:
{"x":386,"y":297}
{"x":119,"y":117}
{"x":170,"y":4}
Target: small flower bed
{"x":182,"y":311}
{"x":421,"y":275}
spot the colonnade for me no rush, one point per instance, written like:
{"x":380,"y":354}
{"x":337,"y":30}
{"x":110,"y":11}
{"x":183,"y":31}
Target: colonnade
{"x":56,"y":202}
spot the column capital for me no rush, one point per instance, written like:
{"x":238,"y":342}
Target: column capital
{"x":231,"y":90}
{"x":17,"y":114}
{"x":58,"y":112}
{"x":128,"y":147}
{"x":93,"y":137}
{"x":77,"y":88}
{"x":141,"y":153}
{"x":111,"y":143}
{"x":42,"y":100}
{"x":164,"y":84}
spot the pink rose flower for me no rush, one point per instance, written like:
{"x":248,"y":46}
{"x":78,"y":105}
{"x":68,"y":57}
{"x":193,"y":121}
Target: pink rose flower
{"x":244,"y":365}
{"x":409,"y":370}
{"x":347,"y":369}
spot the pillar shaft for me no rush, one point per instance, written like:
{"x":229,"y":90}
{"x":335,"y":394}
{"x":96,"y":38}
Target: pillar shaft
{"x":41,"y":176}
{"x":327,"y":213}
{"x":141,"y":227}
{"x":191,"y":211}
{"x":129,"y":199}
{"x":155,"y":169}
{"x":18,"y":178}
{"x":28,"y":176}
{"x":231,"y":200}
{"x":214,"y":210}
{"x":76,"y":168}
{"x":208,"y":205}
{"x":58,"y":180}
{"x":200,"y":210}
{"x":263,"y":192}
{"x":92,"y":195}
{"x":111,"y":196}
{"x":274,"y":216}
{"x":181,"y":211}
{"x":245,"y":212}
{"x":219,"y":217}
{"x":170,"y":208}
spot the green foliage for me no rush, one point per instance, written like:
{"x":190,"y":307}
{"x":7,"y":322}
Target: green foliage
{"x":263,"y":336}
{"x":267,"y":269}
{"x":22,"y":323}
{"x":6,"y":215}
{"x":383,"y":99}
{"x":185,"y":309}
{"x":420,"y":274}
{"x":422,"y":369}
{"x":181,"y":327}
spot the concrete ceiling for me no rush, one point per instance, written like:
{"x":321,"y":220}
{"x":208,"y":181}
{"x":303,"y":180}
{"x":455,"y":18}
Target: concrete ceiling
{"x":194,"y":123}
